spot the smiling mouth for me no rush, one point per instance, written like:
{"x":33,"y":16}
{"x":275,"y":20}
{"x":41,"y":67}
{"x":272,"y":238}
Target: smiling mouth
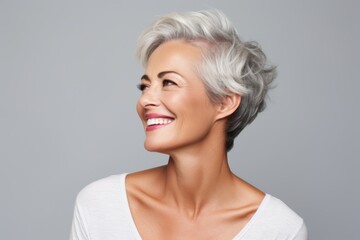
{"x":158,"y":121}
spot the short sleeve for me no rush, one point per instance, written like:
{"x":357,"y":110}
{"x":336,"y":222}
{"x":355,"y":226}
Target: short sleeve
{"x":302,"y":234}
{"x":79,"y":229}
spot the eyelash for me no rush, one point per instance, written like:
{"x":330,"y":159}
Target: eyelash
{"x":141,"y":86}
{"x":166,"y":82}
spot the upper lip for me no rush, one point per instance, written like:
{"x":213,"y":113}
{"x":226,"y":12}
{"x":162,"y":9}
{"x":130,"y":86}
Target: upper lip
{"x":156,"y":115}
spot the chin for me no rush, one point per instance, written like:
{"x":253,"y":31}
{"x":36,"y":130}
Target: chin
{"x":159,"y":146}
{"x":154,"y":147}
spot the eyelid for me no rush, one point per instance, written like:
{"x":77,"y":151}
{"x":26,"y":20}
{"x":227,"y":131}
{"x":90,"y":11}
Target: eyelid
{"x":169,"y":81}
{"x":141,"y":86}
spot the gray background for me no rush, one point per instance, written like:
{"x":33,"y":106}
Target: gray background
{"x":67,"y":107}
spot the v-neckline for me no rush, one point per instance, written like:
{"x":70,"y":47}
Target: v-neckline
{"x":238,"y":236}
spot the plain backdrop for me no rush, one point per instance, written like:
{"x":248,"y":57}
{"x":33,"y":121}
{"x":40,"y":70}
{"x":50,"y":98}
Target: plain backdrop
{"x":67,"y":107}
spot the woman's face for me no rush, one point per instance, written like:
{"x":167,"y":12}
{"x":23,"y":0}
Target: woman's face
{"x":174,"y":107}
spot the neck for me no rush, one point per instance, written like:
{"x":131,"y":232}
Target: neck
{"x":196,"y":178}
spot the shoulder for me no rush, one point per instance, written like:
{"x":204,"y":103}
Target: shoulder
{"x":101,"y":190}
{"x":275,"y":220}
{"x":102,"y":210}
{"x":281,"y":218}
{"x":279,"y":211}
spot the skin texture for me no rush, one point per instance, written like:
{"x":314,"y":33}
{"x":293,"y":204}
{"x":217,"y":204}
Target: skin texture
{"x":194,"y":196}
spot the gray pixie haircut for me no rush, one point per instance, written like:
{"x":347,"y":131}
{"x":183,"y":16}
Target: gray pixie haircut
{"x":229,"y":66}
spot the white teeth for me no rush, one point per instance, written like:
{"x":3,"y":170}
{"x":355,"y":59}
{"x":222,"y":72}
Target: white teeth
{"x":158,"y":121}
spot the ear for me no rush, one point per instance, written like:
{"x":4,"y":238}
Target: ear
{"x":228,"y":105}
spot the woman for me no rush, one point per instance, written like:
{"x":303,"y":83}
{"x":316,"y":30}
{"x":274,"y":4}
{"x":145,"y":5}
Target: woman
{"x":201,"y":87}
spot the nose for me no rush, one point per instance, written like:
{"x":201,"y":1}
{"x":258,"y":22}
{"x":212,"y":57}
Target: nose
{"x":150,"y":97}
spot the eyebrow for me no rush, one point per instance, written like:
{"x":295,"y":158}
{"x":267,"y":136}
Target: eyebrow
{"x":160,"y":75}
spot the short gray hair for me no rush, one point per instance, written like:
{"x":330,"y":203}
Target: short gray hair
{"x":230,"y":66}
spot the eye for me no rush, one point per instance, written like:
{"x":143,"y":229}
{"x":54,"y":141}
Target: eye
{"x":167,"y":82}
{"x":142,"y":86}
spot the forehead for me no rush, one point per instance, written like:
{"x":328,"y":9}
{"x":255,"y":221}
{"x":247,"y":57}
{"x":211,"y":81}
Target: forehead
{"x":175,"y":55}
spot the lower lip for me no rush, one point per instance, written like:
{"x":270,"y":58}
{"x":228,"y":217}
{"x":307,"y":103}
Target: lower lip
{"x":154,"y":127}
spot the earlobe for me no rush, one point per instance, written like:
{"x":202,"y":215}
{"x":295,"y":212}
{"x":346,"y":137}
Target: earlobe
{"x":228,"y":105}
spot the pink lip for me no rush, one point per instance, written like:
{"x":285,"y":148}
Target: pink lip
{"x":154,"y":127}
{"x":156,"y":115}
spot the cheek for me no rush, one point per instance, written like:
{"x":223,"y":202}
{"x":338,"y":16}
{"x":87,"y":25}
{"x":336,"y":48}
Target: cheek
{"x":194,"y":107}
{"x":179,"y":104}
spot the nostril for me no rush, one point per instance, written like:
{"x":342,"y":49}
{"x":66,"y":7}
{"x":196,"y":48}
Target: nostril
{"x":148,"y":102}
{"x":150,"y":105}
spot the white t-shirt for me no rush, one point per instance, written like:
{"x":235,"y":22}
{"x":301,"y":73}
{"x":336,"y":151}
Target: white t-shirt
{"x":102,"y":213}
